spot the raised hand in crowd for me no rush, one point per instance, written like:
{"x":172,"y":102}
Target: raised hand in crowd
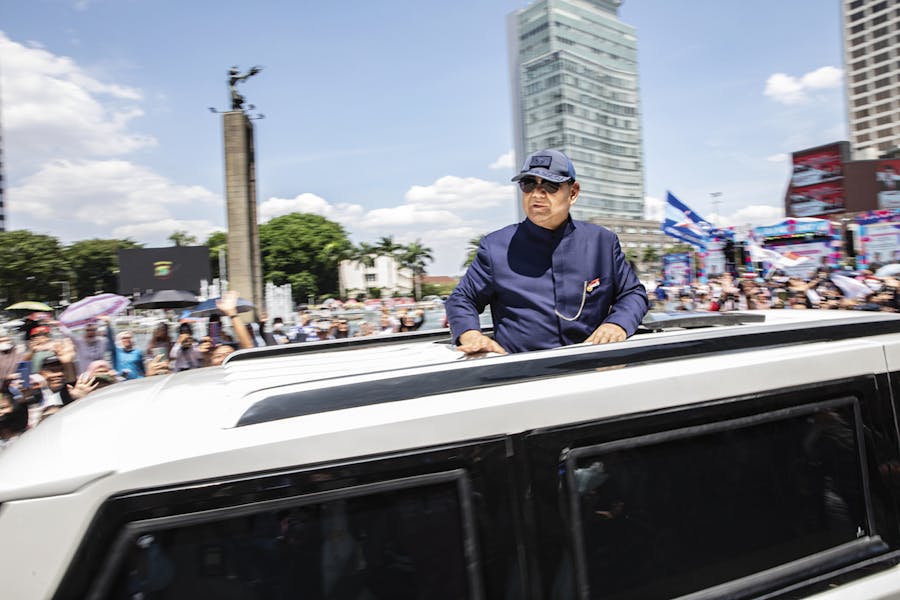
{"x":84,"y":385}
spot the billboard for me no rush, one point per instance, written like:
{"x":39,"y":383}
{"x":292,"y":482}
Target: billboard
{"x":171,"y":268}
{"x":881,"y":243}
{"x":677,"y":269}
{"x":888,"y":177}
{"x":817,"y":181}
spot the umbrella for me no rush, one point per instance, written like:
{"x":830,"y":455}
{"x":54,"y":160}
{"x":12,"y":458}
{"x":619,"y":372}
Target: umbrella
{"x":166,"y":299}
{"x":29,"y":305}
{"x":208,"y":307}
{"x":86,"y":310}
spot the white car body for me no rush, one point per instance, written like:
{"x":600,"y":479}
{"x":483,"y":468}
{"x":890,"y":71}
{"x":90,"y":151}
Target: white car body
{"x":197,"y":428}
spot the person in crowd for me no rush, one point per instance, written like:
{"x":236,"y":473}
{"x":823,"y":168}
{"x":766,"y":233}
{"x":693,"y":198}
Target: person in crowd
{"x":550,"y":280}
{"x":158,"y":365}
{"x":127,"y":359}
{"x":279,"y":333}
{"x":185,"y":353}
{"x":305,"y":331}
{"x":13,"y":419}
{"x":387,"y":325}
{"x":54,"y":389}
{"x":160,"y":341}
{"x":103,"y":373}
{"x":89,"y":347}
{"x":365,"y":329}
{"x":341,"y":329}
{"x":10,"y":357}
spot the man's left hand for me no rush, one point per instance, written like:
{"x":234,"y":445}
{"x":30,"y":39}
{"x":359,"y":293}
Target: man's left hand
{"x":606,"y":333}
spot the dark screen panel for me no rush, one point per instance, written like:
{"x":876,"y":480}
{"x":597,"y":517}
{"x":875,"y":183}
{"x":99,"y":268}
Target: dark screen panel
{"x":172,"y":268}
{"x":663,"y":517}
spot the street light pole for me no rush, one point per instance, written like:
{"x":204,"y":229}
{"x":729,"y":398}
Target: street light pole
{"x":715,"y":202}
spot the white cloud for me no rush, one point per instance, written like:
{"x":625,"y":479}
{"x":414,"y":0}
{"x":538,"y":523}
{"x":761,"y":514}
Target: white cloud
{"x":78,"y":199}
{"x":53,"y":109}
{"x":504,"y":161}
{"x":755,"y":215}
{"x":407,"y":215}
{"x":343,"y":213}
{"x":823,"y":78}
{"x":462,"y":193}
{"x":778,"y":158}
{"x":101,"y":193}
{"x":792,"y":90}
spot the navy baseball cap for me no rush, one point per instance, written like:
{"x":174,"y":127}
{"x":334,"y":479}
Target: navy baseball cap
{"x":547,"y":164}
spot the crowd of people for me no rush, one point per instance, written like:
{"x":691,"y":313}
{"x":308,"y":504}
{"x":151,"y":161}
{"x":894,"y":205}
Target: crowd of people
{"x":54,"y":366}
{"x":827,"y":289}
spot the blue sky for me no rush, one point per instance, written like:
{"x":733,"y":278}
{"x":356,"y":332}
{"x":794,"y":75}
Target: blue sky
{"x":391,"y":117}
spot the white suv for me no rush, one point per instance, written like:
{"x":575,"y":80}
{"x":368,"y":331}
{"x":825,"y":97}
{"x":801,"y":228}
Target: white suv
{"x":721,"y":456}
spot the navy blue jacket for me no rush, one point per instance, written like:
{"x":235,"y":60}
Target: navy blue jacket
{"x":527,"y":273}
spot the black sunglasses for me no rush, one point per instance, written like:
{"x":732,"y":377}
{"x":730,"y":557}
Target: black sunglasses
{"x":529,"y":184}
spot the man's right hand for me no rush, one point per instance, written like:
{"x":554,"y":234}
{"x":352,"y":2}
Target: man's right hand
{"x":475,"y":342}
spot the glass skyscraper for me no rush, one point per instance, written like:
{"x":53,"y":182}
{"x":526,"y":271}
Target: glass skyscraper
{"x":871,"y":50}
{"x":575,"y":89}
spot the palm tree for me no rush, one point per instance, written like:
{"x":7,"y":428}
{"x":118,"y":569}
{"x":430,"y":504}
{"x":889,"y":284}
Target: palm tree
{"x":413,"y":256}
{"x":386,"y":246}
{"x":364,"y":254}
{"x":472,"y":250}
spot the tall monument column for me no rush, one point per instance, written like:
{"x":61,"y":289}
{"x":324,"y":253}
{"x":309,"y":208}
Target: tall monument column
{"x":244,"y":260}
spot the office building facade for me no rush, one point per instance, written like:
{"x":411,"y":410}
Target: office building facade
{"x":574,"y":75}
{"x":872,"y":75}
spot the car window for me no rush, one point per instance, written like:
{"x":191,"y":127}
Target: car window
{"x":670,"y":514}
{"x":409,"y":542}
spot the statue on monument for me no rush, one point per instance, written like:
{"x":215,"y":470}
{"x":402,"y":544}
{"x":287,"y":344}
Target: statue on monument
{"x":234,"y":77}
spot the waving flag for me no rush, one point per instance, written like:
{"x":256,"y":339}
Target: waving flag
{"x":776,"y":259}
{"x":683,"y":223}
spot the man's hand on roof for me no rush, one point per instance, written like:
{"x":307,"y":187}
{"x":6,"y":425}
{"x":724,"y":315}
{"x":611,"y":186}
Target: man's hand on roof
{"x":475,"y":342}
{"x":606,"y":333}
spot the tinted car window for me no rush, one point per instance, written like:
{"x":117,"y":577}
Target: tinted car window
{"x":403,"y":543}
{"x":669,"y":514}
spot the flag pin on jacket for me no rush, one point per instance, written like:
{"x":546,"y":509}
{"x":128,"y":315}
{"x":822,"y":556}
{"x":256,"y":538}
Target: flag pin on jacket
{"x":590,"y":286}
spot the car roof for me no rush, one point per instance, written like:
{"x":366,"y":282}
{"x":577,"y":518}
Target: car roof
{"x":306,"y":390}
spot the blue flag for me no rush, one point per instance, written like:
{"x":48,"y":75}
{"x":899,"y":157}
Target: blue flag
{"x":682,"y":223}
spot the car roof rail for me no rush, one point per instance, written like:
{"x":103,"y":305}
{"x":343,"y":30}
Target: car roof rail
{"x":438,"y":336}
{"x":662,"y":321}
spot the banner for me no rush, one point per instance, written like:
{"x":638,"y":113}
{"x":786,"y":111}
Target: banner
{"x":888,"y":177}
{"x":677,"y":269}
{"x":817,"y":181}
{"x":878,"y":234}
{"x":683,"y":223}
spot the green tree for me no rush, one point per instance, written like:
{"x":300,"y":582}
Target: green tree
{"x":649,"y":255}
{"x":413,"y":257}
{"x":30,"y":263}
{"x":678,"y":248}
{"x":216,"y":242}
{"x":182,"y":238}
{"x":472,"y":250}
{"x":95,"y":264}
{"x":303,"y":250}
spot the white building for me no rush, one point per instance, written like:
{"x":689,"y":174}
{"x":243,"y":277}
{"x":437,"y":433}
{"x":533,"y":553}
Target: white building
{"x":574,"y":75}
{"x":386,"y":274}
{"x":872,"y":77}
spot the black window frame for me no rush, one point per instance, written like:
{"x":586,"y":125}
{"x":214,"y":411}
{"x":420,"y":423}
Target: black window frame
{"x":833,"y":558}
{"x":131,"y":530}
